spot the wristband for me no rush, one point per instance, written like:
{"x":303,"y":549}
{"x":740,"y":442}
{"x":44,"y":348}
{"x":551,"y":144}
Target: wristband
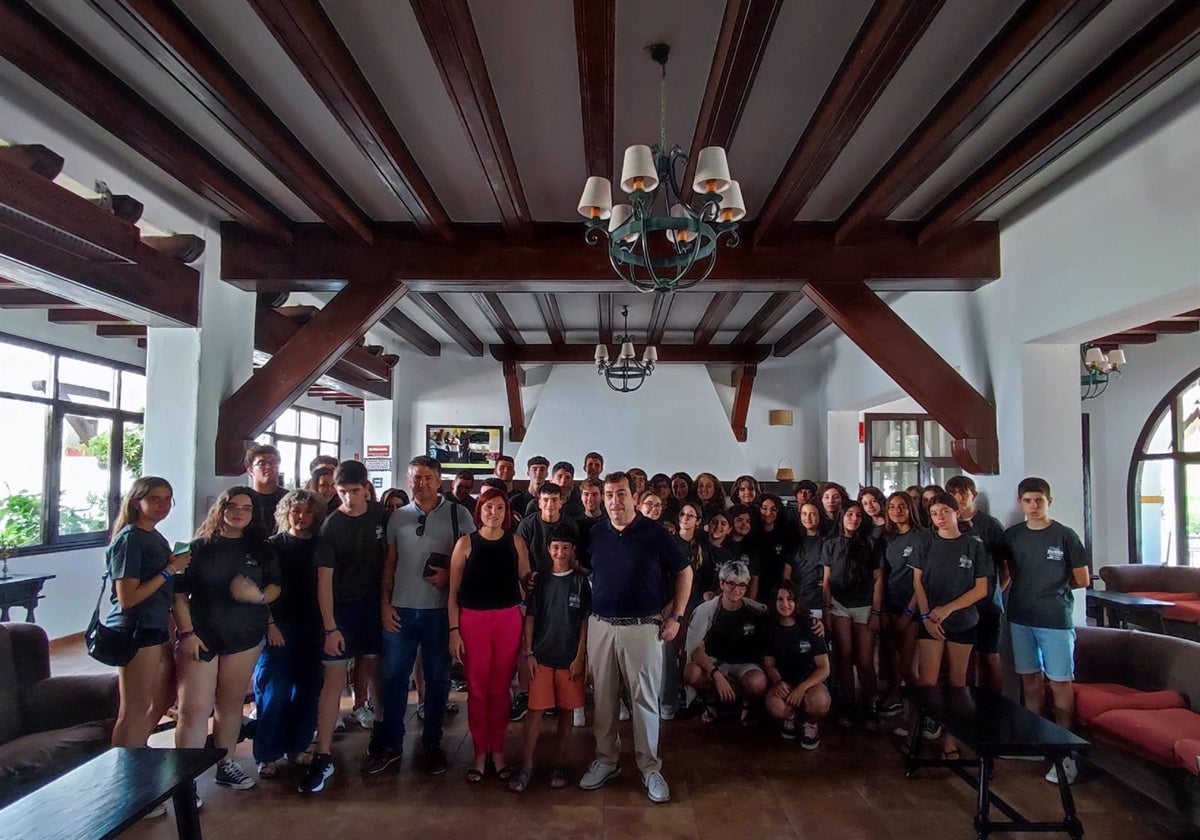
{"x":330,"y":632}
{"x":678,"y":618}
{"x":166,"y":574}
{"x":876,"y":612}
{"x":911,"y":613}
{"x":923,"y":616}
{"x":527,"y":655}
{"x":452,"y":629}
{"x":184,"y":634}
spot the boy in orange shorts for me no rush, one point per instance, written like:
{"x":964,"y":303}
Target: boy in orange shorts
{"x":555,"y":648}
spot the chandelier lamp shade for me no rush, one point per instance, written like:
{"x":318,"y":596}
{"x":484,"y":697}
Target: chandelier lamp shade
{"x":657,"y":240}
{"x":625,"y":374}
{"x":1098,"y":368}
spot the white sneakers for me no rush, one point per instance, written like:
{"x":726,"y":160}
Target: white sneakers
{"x":364,"y":716}
{"x":578,"y":718}
{"x":597,"y":774}
{"x":656,"y":787}
{"x":1069,"y":767}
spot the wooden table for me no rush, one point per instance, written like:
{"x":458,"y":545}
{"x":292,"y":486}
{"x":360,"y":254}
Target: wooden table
{"x":994,"y":726}
{"x":21,"y":591}
{"x":110,"y":793}
{"x":1113,"y":609}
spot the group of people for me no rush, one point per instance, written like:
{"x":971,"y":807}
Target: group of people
{"x":660,"y":592}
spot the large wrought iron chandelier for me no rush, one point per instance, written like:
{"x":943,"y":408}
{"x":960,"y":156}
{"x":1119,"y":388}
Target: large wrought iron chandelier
{"x":626,"y":373}
{"x":1098,"y":368}
{"x":686,"y":253}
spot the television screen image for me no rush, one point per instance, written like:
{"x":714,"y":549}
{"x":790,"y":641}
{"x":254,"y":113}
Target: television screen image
{"x":458,"y":448}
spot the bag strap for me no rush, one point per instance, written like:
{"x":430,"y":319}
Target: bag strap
{"x":454,"y":520}
{"x":103,"y":587}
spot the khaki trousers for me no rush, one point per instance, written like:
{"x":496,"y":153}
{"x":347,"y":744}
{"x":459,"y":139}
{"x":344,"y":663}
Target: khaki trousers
{"x":634,"y":654}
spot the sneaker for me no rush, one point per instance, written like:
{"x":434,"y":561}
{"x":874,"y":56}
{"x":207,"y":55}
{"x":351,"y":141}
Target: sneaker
{"x":901,"y":730}
{"x":666,"y":713}
{"x":320,"y":770}
{"x":932,"y":730}
{"x":435,"y":761}
{"x":458,"y":684}
{"x":420,"y":711}
{"x":230,"y":774}
{"x":623,"y":714}
{"x":597,"y":774}
{"x":891,"y":708}
{"x":364,"y":716}
{"x":810,"y":736}
{"x":787,"y":730}
{"x":1069,"y":767}
{"x":579,"y":718}
{"x":159,"y":810}
{"x":520,"y":707}
{"x":550,"y":713}
{"x":380,"y":760}
{"x":656,"y":787}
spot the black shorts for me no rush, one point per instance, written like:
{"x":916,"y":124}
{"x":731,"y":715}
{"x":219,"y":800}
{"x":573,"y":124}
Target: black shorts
{"x":361,"y":626}
{"x":150,"y":638}
{"x":987,"y":632}
{"x":961,"y":637}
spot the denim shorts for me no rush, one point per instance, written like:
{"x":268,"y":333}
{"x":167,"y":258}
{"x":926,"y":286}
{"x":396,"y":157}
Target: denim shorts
{"x":1037,"y":649}
{"x":361,"y":627}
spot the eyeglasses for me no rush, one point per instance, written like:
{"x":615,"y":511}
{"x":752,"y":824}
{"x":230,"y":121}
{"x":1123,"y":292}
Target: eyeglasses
{"x":421,"y":525}
{"x":240,"y":508}
{"x":265,"y":464}
{"x":733,"y":585}
{"x":652,"y":506}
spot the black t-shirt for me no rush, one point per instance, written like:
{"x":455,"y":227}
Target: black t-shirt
{"x":224,"y":625}
{"x":585,"y":524}
{"x":988,"y":531}
{"x":808,"y":571}
{"x":742,"y":551}
{"x":772,"y":551}
{"x":708,"y":576}
{"x":795,"y":650}
{"x":354,"y":546}
{"x":140,"y":555}
{"x":264,"y":508}
{"x":949,"y":569}
{"x":735,"y":636}
{"x":851,"y":565}
{"x":1041,"y":562}
{"x":519,"y":500}
{"x":490,"y":578}
{"x":536,"y":534}
{"x":559,"y":606}
{"x":297,"y":603}
{"x":900,"y":555}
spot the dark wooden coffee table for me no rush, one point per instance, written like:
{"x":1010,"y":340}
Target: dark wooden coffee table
{"x":110,"y":793}
{"x":1114,"y":609}
{"x":21,"y":591}
{"x":994,"y":726}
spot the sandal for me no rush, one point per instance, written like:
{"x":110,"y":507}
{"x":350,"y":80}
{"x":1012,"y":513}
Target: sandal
{"x":504,"y":773}
{"x":268,"y":770}
{"x":711,"y":713}
{"x":474,"y":776}
{"x":558,"y":778}
{"x":520,"y":781}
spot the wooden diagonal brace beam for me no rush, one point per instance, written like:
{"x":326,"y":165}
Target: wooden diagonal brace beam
{"x":741,"y":401}
{"x":917,"y":368}
{"x":298,"y":364}
{"x":516,"y":410}
{"x":357,"y":366}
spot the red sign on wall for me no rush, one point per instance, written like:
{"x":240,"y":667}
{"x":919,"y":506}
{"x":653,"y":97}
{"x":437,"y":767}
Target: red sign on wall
{"x":379,"y":451}
{"x":862,"y":433}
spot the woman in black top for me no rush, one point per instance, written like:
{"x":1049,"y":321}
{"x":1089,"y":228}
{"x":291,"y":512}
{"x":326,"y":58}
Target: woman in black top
{"x":853,"y":592}
{"x":871,"y":499}
{"x":682,"y":490}
{"x":806,"y":569}
{"x":142,"y":570}
{"x":745,"y":490}
{"x":831,"y":499}
{"x":710,"y":494}
{"x":704,"y":578}
{"x":486,"y":571}
{"x":905,"y":543}
{"x":719,"y":528}
{"x":221,"y":611}
{"x":775,"y":545}
{"x":287,"y":679}
{"x":797,"y":665}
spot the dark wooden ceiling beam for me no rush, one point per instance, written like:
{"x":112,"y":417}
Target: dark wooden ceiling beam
{"x":1035,"y":32}
{"x":1180,"y":326}
{"x":356,"y":367}
{"x":767,"y":316}
{"x":596,"y":48}
{"x":312,"y":42}
{"x":23,"y":297}
{"x":585,"y":354}
{"x":410,"y":331}
{"x":494,"y":310}
{"x":34,"y":157}
{"x":516,"y":408}
{"x":714,"y":316}
{"x":450,"y":34}
{"x":168,"y":38}
{"x":121,"y":331}
{"x":890,"y":31}
{"x":41,"y":51}
{"x":547,"y":305}
{"x":307,"y":355}
{"x":809,"y":327}
{"x":556,"y":258}
{"x":90,"y":317}
{"x":659,"y":313}
{"x":447,"y":319}
{"x":917,"y":368}
{"x":604,"y":317}
{"x":745,"y":30}
{"x":1127,"y":338}
{"x":741,"y":401}
{"x":1165,"y":44}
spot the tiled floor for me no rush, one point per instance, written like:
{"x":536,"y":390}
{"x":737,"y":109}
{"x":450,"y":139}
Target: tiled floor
{"x":727,"y":782}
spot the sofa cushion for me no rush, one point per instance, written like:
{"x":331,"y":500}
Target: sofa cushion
{"x":1092,"y":699}
{"x":1173,"y":597}
{"x":47,"y":754}
{"x":1188,"y":611}
{"x":1151,"y":734}
{"x":1188,"y":753}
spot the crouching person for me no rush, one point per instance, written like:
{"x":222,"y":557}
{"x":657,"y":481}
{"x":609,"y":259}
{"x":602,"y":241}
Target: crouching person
{"x":796,"y":661}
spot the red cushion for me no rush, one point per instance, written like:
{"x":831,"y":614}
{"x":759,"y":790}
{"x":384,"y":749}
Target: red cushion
{"x":1092,"y":699}
{"x":1184,"y":611}
{"x":1151,"y":734}
{"x":1188,"y":753}
{"x":1173,"y":597}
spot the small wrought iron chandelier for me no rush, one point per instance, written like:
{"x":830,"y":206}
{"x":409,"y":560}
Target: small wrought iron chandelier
{"x":626,"y":373}
{"x":687,"y":252}
{"x":1098,"y":368}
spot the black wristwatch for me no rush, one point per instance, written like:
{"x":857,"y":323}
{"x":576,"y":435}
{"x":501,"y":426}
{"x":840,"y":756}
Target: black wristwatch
{"x":678,"y":619}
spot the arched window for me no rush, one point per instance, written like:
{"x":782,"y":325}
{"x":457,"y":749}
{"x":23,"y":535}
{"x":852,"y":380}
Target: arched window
{"x":1164,"y":481}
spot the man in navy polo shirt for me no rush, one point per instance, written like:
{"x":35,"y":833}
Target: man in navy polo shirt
{"x":631,"y":558}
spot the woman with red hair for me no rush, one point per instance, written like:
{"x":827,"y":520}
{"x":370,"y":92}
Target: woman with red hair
{"x":487,"y":569}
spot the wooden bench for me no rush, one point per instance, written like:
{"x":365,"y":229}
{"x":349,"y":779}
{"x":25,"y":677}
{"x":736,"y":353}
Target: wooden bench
{"x":110,"y":793}
{"x":994,"y":726}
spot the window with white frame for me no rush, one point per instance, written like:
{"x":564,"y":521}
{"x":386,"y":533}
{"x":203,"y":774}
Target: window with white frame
{"x":301,"y":435}
{"x":70,"y":444}
{"x":907,"y":449}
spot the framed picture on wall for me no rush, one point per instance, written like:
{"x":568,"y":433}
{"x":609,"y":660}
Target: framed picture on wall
{"x":471,"y":448}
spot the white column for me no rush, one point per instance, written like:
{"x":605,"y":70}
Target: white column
{"x":379,"y":443}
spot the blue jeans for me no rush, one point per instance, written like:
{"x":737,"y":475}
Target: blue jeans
{"x":429,"y":632}
{"x":287,"y":685}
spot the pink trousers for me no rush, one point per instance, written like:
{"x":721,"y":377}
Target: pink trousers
{"x":491,"y":642}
